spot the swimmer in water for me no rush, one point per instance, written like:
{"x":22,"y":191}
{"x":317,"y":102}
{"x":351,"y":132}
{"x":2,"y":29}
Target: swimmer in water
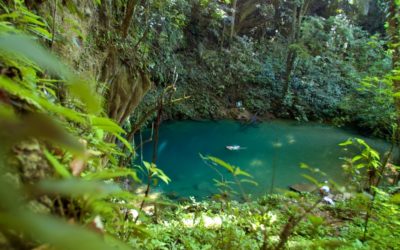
{"x":234,"y":147}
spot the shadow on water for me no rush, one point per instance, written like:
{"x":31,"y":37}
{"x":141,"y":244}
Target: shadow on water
{"x":273,"y":152}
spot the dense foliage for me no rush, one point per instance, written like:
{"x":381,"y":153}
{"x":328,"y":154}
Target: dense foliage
{"x":332,"y":56}
{"x":71,"y":90}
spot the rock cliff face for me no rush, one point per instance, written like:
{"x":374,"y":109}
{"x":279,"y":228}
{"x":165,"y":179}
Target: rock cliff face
{"x":95,"y":40}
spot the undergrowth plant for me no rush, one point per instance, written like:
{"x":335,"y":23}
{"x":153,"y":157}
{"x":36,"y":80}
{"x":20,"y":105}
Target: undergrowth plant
{"x":367,"y":169}
{"x":363,"y":168}
{"x":238,"y":175}
{"x":153,"y":174}
{"x":73,"y":176}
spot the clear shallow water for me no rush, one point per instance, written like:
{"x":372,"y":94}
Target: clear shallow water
{"x":283,"y":143}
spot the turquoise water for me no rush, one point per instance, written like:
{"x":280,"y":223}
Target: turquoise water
{"x":283,"y":144}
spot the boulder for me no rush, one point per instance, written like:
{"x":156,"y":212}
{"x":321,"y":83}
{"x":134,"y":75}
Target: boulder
{"x":303,"y":187}
{"x":240,"y":114}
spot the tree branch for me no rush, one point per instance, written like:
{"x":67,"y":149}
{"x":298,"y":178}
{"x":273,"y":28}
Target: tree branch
{"x":130,"y":8}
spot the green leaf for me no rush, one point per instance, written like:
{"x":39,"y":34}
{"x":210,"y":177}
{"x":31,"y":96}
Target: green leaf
{"x":362,"y":142}
{"x":60,"y":168}
{"x":164,"y":178}
{"x":77,"y":187}
{"x":8,"y":15}
{"x":125,"y":142}
{"x":156,"y":172}
{"x":106,"y":174}
{"x":311,"y":179}
{"x":374,"y":154}
{"x":238,"y":171}
{"x":359,"y":166}
{"x":25,"y":47}
{"x":84,"y":92}
{"x":396,"y":95}
{"x":148,"y":165}
{"x":249,"y":181}
{"x":304,"y":165}
{"x":41,"y":32}
{"x":395,"y":199}
{"x":160,"y":174}
{"x":356,"y":158}
{"x":219,"y":183}
{"x":38,"y":101}
{"x":316,"y":220}
{"x":346,"y":143}
{"x":106,"y":124}
{"x":221,"y":163}
{"x":32,"y":19}
{"x":59,"y":234}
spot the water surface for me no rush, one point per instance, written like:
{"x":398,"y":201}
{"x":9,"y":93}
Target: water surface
{"x":283,"y":144}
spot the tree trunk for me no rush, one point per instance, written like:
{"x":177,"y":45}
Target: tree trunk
{"x":394,"y":31}
{"x":291,"y":56}
{"x":232,"y":33}
{"x":297,"y":19}
{"x":126,"y":23}
{"x":127,"y":82}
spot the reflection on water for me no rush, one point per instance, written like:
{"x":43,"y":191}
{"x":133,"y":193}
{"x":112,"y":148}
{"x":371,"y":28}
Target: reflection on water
{"x":256,"y":163}
{"x":279,"y":145}
{"x":290,"y":139}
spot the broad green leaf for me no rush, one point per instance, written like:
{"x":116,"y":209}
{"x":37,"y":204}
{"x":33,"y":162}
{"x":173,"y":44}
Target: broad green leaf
{"x":346,"y":143}
{"x":311,"y":179}
{"x":397,"y":94}
{"x":106,"y":124}
{"x":156,"y":172}
{"x":125,"y":142}
{"x":395,"y":199}
{"x":238,"y":171}
{"x":221,"y":163}
{"x":60,"y":168}
{"x":304,"y":165}
{"x":359,"y":166}
{"x":77,"y":187}
{"x":164,"y":178}
{"x":356,"y":158}
{"x":106,"y":174}
{"x":375,"y":164}
{"x":59,"y":234}
{"x":362,"y":142}
{"x":374,"y":154}
{"x":84,"y":92}
{"x":147,"y":165}
{"x":38,"y":101}
{"x":8,"y":15}
{"x":160,"y":174}
{"x":24,"y":46}
{"x":32,"y":20}
{"x":41,"y":32}
{"x":60,"y":110}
